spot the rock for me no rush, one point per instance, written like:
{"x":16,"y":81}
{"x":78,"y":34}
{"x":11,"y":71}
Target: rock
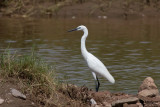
{"x":149,"y":93}
{"x":106,"y":104}
{"x":18,"y":94}
{"x":139,"y":104}
{"x":97,"y":105}
{"x":148,"y":88}
{"x":126,"y":100}
{"x":101,"y":96}
{"x":32,"y":103}
{"x":93,"y":102}
{"x":125,"y":105}
{"x":1,"y":101}
{"x":131,"y":105}
{"x":148,"y":83}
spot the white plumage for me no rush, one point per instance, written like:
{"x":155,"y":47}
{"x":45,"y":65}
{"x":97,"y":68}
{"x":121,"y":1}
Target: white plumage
{"x":98,"y":67}
{"x":93,"y":63}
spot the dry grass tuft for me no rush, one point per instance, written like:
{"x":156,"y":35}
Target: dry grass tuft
{"x":34,"y":76}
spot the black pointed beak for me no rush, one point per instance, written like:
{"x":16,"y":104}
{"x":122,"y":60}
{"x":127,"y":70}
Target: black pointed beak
{"x":72,"y":30}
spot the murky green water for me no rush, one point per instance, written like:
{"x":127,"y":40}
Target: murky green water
{"x":129,"y":49}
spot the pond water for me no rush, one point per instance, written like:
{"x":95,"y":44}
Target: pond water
{"x":129,"y":49}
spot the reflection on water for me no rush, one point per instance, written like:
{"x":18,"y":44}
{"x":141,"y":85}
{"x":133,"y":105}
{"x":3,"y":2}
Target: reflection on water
{"x":129,"y":49}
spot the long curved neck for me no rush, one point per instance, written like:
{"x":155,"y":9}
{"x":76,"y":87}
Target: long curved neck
{"x":83,"y":45}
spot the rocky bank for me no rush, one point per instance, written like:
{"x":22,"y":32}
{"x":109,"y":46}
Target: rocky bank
{"x":147,"y":96}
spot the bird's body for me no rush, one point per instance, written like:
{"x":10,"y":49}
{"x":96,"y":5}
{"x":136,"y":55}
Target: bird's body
{"x":93,"y":63}
{"x":98,"y":67}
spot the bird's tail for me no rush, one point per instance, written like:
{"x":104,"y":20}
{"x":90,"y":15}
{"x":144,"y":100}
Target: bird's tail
{"x":109,"y":77}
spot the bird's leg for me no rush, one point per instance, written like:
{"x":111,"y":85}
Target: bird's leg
{"x":96,"y":81}
{"x":97,"y":84}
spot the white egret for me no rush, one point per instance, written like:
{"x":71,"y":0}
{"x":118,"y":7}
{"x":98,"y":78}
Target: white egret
{"x":93,"y":63}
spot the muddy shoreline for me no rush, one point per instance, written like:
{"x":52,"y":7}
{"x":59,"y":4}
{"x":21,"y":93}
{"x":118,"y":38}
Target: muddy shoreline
{"x":92,"y":8}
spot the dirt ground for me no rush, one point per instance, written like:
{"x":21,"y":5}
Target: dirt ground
{"x":11,"y":101}
{"x":73,"y":96}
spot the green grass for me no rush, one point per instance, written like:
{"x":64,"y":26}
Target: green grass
{"x":34,"y":76}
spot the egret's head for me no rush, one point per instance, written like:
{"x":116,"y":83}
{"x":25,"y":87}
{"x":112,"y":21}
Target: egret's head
{"x":81,"y":27}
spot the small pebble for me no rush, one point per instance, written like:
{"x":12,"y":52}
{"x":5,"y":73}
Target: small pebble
{"x":18,"y":94}
{"x":1,"y":101}
{"x":93,"y":102}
